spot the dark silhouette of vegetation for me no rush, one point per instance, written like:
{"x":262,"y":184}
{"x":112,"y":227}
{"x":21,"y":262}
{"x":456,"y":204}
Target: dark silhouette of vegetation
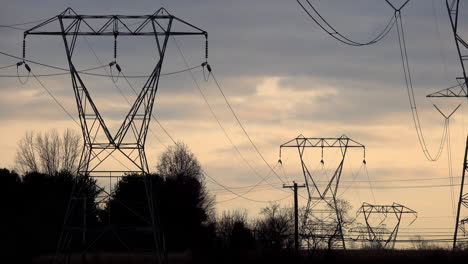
{"x":33,"y":209}
{"x":276,"y":228}
{"x":182,"y":203}
{"x":48,"y":152}
{"x":34,"y":205}
{"x":233,"y":231}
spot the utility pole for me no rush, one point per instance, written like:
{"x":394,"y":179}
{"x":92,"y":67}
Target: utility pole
{"x":296,"y":214}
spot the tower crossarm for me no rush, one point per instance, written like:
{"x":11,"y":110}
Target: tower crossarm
{"x":462,"y":50}
{"x":456,"y":91}
{"x":114,"y":25}
{"x":384,"y":209}
{"x":325,"y":142}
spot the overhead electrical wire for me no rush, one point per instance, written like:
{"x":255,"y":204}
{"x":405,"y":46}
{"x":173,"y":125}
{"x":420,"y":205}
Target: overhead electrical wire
{"x":222,"y":127}
{"x":8,"y":66}
{"x":84,"y":71}
{"x":108,"y":75}
{"x":167,"y":133}
{"x":411,"y":97}
{"x":313,"y":13}
{"x":450,"y":169}
{"x":120,"y":90}
{"x":24,"y":23}
{"x":242,"y":126}
{"x":396,"y":19}
{"x":54,"y":98}
{"x":356,"y":187}
{"x":61,"y":105}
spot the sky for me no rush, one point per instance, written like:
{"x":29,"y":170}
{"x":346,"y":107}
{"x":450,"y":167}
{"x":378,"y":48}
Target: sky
{"x":283,"y":76}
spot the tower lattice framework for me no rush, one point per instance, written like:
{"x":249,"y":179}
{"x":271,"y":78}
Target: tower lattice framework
{"x":458,"y":91}
{"x":105,"y":155}
{"x":322,"y":223}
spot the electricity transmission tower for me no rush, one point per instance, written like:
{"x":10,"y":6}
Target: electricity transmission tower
{"x":107,"y":155}
{"x":323,"y":218}
{"x":376,"y":233}
{"x":458,"y":91}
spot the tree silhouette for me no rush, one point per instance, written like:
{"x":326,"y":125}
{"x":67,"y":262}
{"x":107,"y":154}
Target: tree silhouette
{"x":182,"y":204}
{"x":48,"y":152}
{"x":33,"y":209}
{"x":11,"y":204}
{"x":46,"y":200}
{"x":275,"y":230}
{"x":233,"y":231}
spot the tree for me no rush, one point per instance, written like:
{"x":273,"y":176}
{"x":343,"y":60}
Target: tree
{"x":48,"y":152}
{"x":179,"y":163}
{"x":46,"y":201}
{"x":11,"y":204}
{"x":275,"y":230}
{"x":182,"y":203}
{"x":233,"y":230}
{"x":33,"y":208}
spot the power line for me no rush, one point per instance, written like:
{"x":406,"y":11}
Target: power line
{"x":84,"y":71}
{"x":331,"y":31}
{"x":117,"y":87}
{"x":24,"y":23}
{"x":167,"y":133}
{"x":265,"y":188}
{"x":219,"y":122}
{"x":63,"y":108}
{"x":54,"y":98}
{"x":411,"y":97}
{"x":241,"y":126}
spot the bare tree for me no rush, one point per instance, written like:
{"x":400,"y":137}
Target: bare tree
{"x":275,"y":230}
{"x":232,"y":226}
{"x":48,"y":152}
{"x":71,"y":150}
{"x":26,"y":154}
{"x":178,"y":161}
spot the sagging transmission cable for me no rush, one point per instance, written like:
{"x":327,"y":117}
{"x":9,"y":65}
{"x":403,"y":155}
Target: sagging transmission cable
{"x":314,"y":14}
{"x":412,"y":100}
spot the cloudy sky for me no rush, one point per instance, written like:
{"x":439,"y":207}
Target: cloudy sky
{"x":284,"y":77}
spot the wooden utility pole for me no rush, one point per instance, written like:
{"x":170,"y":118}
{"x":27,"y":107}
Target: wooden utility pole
{"x":296,"y":214}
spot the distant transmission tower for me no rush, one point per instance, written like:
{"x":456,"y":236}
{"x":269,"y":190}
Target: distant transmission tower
{"x":106,"y":155}
{"x":459,"y":91}
{"x":323,"y":219}
{"x":377,"y":233}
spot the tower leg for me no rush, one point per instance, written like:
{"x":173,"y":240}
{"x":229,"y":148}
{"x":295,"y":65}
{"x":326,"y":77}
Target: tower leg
{"x":460,"y":199}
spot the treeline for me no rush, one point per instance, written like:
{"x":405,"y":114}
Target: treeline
{"x":36,"y":202}
{"x":34,"y":206}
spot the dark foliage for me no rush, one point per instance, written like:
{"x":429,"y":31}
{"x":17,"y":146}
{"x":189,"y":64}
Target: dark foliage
{"x":34,"y":207}
{"x":179,"y":207}
{"x":11,"y":203}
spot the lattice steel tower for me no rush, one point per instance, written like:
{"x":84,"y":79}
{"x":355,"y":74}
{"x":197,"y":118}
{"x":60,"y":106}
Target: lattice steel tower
{"x":322,"y":220}
{"x":459,"y":91}
{"x":102,"y":148}
{"x":380,"y":233}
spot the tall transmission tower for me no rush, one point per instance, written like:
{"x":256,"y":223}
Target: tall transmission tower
{"x":127,"y":146}
{"x":459,"y":91}
{"x":377,"y":233}
{"x":322,"y":220}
